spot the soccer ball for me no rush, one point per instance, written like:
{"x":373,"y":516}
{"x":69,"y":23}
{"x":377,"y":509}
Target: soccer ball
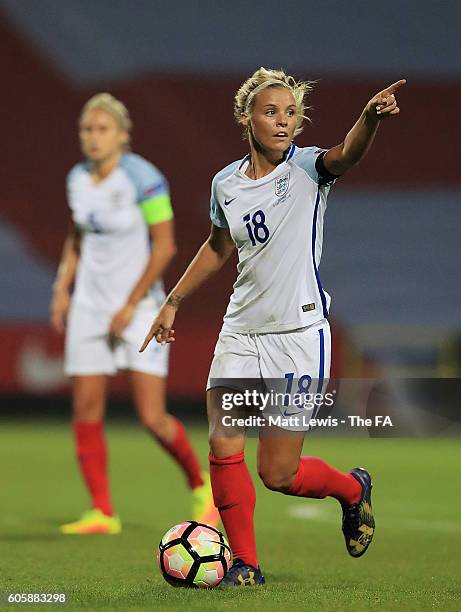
{"x":194,"y":555}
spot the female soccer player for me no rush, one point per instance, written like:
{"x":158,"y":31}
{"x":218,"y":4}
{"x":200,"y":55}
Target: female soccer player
{"x":270,"y":206}
{"x":120,"y":244}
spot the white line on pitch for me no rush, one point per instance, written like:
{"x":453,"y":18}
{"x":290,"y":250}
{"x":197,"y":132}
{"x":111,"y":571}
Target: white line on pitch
{"x":316,"y":513}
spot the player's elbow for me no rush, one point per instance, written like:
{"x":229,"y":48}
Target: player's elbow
{"x":349,"y":158}
{"x":220,"y":251}
{"x":172,"y":250}
{"x":343,"y":164}
{"x":168,"y":250}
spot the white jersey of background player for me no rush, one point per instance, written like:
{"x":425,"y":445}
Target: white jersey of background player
{"x":121,"y":242}
{"x":113,"y":217}
{"x":276,"y":223}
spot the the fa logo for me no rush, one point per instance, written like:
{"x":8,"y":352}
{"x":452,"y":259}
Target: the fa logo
{"x":281,"y":185}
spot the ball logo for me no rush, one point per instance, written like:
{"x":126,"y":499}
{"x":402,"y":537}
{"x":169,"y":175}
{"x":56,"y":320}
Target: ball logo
{"x":281,"y":185}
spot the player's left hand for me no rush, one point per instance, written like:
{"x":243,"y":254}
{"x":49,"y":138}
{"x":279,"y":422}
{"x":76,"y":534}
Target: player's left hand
{"x":120,"y":320}
{"x":384,"y":104}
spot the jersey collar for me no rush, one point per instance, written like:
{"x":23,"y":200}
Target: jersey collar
{"x":288,"y":154}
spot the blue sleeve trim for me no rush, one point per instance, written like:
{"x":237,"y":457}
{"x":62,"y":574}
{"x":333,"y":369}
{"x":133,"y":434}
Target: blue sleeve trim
{"x":325,"y":177}
{"x":152,"y":191}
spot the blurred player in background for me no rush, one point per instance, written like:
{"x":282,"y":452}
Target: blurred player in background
{"x":270,"y":206}
{"x":121,"y":243}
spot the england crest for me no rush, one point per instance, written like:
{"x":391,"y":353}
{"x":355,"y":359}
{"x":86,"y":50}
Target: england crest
{"x":116,"y":198}
{"x":281,"y":185}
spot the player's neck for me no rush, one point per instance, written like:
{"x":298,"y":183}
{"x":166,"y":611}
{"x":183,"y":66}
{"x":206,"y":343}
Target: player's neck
{"x":263,"y":163}
{"x":101,"y":169}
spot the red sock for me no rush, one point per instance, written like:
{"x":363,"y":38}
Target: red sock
{"x":181,"y":450}
{"x":235,"y":497}
{"x":315,"y":478}
{"x":92,"y":456}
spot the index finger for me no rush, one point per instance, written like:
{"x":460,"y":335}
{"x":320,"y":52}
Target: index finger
{"x":147,"y":339}
{"x":396,"y":85}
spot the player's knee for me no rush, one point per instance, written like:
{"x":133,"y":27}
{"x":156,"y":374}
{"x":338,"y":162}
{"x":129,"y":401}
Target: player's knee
{"x":276,"y":479}
{"x":155,"y":424}
{"x":87,"y":410}
{"x":225,"y":447}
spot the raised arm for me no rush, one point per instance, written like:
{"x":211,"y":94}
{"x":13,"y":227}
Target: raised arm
{"x":64,"y":280}
{"x":383,"y":105}
{"x":209,"y":259}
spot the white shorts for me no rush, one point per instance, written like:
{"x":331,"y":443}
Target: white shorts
{"x":293,"y":362}
{"x":88,"y":348}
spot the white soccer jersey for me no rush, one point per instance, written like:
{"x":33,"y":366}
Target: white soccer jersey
{"x":276,"y":223}
{"x":113,"y":216}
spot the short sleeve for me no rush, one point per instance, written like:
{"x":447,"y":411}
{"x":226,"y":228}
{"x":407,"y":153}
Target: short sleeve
{"x":216,"y":213}
{"x":71,"y":181}
{"x":152,"y":191}
{"x":310,"y":159}
{"x":325,"y":177}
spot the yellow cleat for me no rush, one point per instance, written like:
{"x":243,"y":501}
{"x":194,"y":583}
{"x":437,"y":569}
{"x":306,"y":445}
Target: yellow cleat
{"x":93,"y":521}
{"x":203,"y":508}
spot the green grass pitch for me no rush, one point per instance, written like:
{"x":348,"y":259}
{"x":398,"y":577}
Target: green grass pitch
{"x":413,"y":564}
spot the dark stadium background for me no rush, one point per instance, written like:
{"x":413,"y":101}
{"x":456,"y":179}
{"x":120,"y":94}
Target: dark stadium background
{"x":391,"y":252}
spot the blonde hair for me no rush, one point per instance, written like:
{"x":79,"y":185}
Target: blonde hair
{"x":109,"y":104}
{"x":245,"y":97}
